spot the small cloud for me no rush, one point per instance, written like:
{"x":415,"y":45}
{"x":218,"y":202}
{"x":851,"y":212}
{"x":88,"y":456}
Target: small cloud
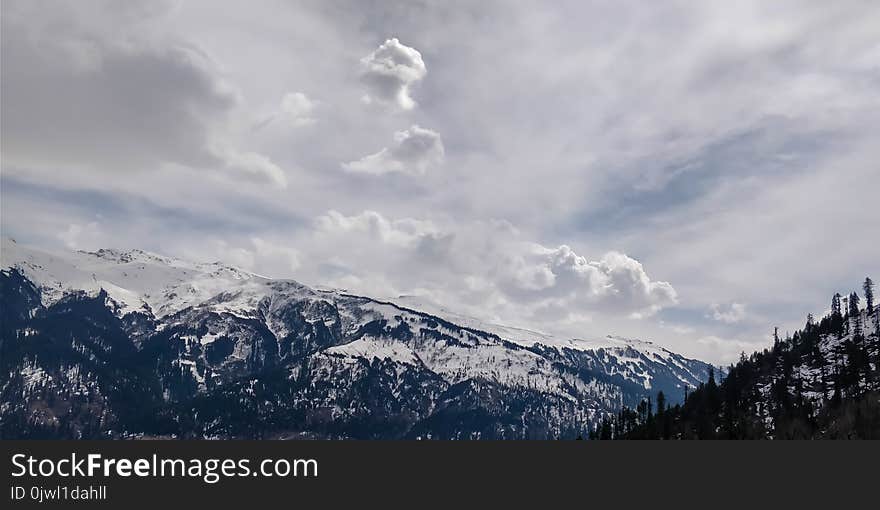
{"x":79,"y":236}
{"x":254,"y":165}
{"x":283,"y":256}
{"x":733,"y":313}
{"x":390,"y":71}
{"x":414,"y":152}
{"x":401,"y":232}
{"x":718,"y":349}
{"x":299,"y":108}
{"x":260,"y":255}
{"x":296,"y":109}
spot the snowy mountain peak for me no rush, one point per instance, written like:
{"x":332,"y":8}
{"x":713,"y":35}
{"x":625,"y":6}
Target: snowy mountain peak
{"x":138,"y":280}
{"x":123,"y":257}
{"x":325,"y":357}
{"x":134,"y":279}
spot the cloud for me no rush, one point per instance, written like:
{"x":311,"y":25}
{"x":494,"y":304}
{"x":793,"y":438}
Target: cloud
{"x":731,"y":314}
{"x":625,"y":280}
{"x":253,"y":165}
{"x":414,"y":152}
{"x":726,"y":122}
{"x":102,"y":89}
{"x":486,"y":265}
{"x":79,"y":236}
{"x":390,"y":71}
{"x":725,"y":350}
{"x":299,"y":108}
{"x":401,"y":232}
{"x":257,"y":254}
{"x":616,"y":282}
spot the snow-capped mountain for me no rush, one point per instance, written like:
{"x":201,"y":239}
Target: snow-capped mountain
{"x":130,"y":343}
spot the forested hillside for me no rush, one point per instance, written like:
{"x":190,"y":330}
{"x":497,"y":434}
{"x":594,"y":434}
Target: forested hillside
{"x":822,"y":382}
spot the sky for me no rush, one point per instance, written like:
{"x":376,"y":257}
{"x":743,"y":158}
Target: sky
{"x":690,"y":173}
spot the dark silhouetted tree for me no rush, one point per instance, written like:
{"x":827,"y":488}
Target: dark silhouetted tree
{"x":855,"y":315}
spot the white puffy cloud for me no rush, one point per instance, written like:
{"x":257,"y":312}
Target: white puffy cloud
{"x":299,"y":108}
{"x":615,"y":282}
{"x":414,"y":152}
{"x":730,"y":314}
{"x":401,"y":233}
{"x":390,"y":71}
{"x":485,"y":267}
{"x":623,"y":279}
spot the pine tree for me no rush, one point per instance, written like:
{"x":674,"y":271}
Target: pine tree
{"x":868,"y":287}
{"x":836,"y":316}
{"x":835,"y":305}
{"x":854,"y":301}
{"x":855,"y":315}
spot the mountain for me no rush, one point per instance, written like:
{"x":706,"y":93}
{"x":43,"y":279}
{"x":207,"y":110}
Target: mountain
{"x":822,"y":382}
{"x":130,"y":344}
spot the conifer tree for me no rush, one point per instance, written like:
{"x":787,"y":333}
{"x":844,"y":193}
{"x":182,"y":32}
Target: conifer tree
{"x":836,"y":316}
{"x":868,"y":287}
{"x":855,"y":315}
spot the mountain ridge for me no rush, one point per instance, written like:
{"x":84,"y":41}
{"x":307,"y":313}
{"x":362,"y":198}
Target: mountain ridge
{"x":331,"y":363}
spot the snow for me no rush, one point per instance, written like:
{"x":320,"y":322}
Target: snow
{"x":370,"y":348}
{"x":629,"y":352}
{"x":472,"y":354}
{"x":135,"y":280}
{"x":208,"y":338}
{"x":529,"y":337}
{"x":33,"y":375}
{"x":519,"y":335}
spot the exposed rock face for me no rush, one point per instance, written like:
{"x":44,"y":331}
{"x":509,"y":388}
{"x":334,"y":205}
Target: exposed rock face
{"x":130,"y":344}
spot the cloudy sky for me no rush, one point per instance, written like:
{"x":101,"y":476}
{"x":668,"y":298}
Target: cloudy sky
{"x":693,"y":173}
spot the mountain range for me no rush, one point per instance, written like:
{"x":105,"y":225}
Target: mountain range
{"x":131,"y":344}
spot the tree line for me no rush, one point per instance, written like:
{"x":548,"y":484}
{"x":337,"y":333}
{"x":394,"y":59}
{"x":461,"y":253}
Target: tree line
{"x":823,"y":381}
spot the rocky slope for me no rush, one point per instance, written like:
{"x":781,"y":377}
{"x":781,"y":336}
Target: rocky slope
{"x":133,"y":344}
